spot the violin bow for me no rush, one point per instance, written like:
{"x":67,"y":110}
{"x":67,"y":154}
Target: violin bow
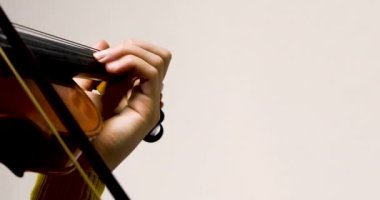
{"x":61,"y":110}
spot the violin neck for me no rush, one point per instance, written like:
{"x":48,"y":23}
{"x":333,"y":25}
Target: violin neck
{"x":59,"y":58}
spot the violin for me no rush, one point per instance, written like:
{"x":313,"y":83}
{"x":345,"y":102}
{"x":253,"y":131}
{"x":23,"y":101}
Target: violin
{"x":19,"y":118}
{"x":46,"y":119}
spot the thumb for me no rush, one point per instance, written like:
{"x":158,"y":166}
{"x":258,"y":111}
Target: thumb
{"x":87,"y":84}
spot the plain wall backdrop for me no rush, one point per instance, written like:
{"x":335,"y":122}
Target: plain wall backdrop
{"x":264,"y":99}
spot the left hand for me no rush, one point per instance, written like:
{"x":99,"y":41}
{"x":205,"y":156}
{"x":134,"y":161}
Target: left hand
{"x":131,"y":105}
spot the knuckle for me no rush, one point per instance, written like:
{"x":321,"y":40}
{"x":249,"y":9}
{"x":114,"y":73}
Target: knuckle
{"x":126,"y":47}
{"x":129,"y":59}
{"x":158,"y":61}
{"x":129,"y":42}
{"x":154,"y":72}
{"x":167,"y":55}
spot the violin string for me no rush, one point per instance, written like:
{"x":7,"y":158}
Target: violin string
{"x":48,"y":45}
{"x":76,"y":49}
{"x":63,"y":40}
{"x":49,"y":123}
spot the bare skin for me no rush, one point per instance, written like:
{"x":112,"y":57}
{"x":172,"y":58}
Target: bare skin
{"x":131,"y":106}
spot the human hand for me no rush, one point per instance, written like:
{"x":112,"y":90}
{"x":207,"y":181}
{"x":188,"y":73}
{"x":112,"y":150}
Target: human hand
{"x":131,"y":104}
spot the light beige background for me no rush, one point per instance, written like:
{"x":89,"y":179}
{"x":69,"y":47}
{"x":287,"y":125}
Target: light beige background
{"x":265,"y":99}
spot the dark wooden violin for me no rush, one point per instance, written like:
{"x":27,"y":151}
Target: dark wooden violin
{"x":46,"y":119}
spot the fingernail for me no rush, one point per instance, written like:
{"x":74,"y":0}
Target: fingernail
{"x":99,"y":55}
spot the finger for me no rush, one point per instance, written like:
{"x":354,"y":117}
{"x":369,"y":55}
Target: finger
{"x":88,"y":84}
{"x":84,"y":83}
{"x":101,"y":45}
{"x":163,"y":53}
{"x":130,"y":47}
{"x":139,"y":68}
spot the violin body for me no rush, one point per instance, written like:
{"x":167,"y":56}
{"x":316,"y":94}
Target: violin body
{"x":39,"y":149}
{"x":27,"y":137}
{"x":24,"y":148}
